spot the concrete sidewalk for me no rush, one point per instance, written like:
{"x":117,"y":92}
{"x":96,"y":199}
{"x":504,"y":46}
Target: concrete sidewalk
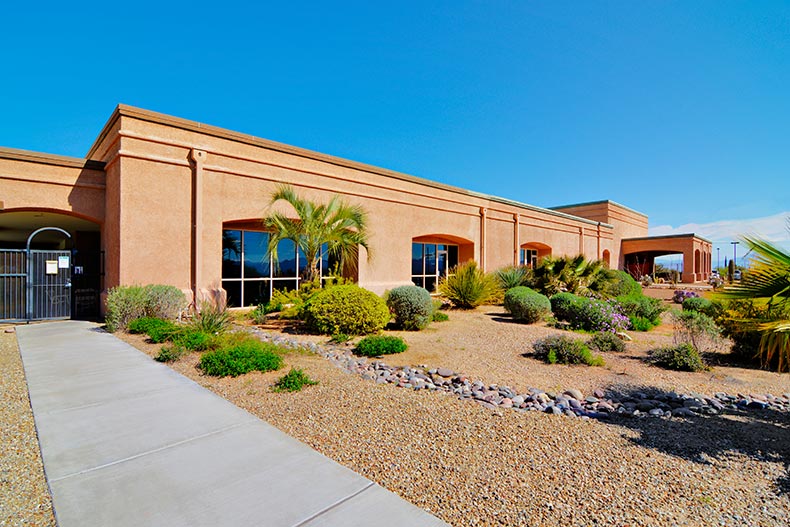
{"x":127,"y":441}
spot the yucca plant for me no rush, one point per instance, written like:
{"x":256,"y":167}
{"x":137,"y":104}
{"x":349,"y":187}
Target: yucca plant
{"x":513,"y":276}
{"x":467,"y":286}
{"x":768,"y":280}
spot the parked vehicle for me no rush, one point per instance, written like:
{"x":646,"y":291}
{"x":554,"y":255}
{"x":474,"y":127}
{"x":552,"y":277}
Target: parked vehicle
{"x":736,"y":275}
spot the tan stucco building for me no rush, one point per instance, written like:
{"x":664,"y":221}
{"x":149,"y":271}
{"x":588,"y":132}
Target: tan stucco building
{"x":159,"y":199}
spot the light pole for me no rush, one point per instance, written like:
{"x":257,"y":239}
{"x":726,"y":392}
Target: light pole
{"x":718,"y":258}
{"x":734,"y":252}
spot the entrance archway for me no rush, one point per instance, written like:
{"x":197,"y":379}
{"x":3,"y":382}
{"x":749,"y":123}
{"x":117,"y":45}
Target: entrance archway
{"x":60,"y":276}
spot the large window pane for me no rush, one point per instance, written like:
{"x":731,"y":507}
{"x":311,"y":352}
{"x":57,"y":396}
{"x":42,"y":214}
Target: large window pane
{"x":284,"y":285}
{"x":452,"y":256}
{"x":418,"y":280}
{"x":325,"y":268}
{"x":286,"y":256}
{"x":430,"y":259}
{"x":234,"y":292}
{"x":302,"y":261}
{"x":430,"y":283}
{"x":256,"y":263}
{"x":231,"y":254}
{"x":416,"y":258}
{"x":256,"y":292}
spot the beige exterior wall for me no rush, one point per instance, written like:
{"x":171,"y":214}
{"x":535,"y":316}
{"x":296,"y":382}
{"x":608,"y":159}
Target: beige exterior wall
{"x":169,"y":185}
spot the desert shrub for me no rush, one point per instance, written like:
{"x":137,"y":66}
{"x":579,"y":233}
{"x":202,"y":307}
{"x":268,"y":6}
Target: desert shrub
{"x":293,"y":381}
{"x":696,"y":329}
{"x":375,"y":345}
{"x":241,"y":358}
{"x":682,"y":357}
{"x":292,"y":302}
{"x":607,"y":342}
{"x":565,"y":350}
{"x":513,"y":276}
{"x":467,"y":286}
{"x":711,"y":308}
{"x":642,"y":306}
{"x":622,"y":284}
{"x":346,"y":309}
{"x":641,"y":323}
{"x":589,"y":314}
{"x":339,"y":338}
{"x":562,"y":305}
{"x":412,"y":307}
{"x":212,"y":319}
{"x":680,"y":295}
{"x":440,"y":316}
{"x":258,"y":315}
{"x":195,"y":339}
{"x":126,"y":303}
{"x":527,"y":305}
{"x":171,"y":353}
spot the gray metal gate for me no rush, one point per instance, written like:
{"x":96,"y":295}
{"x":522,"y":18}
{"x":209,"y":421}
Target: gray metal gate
{"x":13,"y":282}
{"x":49,"y":292}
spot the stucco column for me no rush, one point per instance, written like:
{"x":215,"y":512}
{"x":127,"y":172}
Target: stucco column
{"x":516,"y":241}
{"x":598,"y":240}
{"x":198,"y":157}
{"x":581,"y":240}
{"x":483,"y":216}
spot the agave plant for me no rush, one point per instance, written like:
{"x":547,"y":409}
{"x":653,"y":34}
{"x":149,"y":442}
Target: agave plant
{"x":514,"y":276}
{"x":467,"y":286}
{"x":768,"y":281}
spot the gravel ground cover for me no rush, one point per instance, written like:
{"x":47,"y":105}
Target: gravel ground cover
{"x":475,"y":466}
{"x":24,"y":496}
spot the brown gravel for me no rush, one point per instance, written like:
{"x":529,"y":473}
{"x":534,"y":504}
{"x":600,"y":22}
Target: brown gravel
{"x":472,"y":466}
{"x":24,"y":496}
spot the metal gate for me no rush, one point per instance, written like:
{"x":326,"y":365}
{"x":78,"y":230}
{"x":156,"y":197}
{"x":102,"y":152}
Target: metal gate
{"x":49,"y":292}
{"x":36,"y":287}
{"x":13,"y":283}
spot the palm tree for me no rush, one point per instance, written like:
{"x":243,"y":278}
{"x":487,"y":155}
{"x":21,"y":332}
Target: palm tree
{"x":336,"y":228}
{"x":768,"y":282}
{"x":572,"y":274}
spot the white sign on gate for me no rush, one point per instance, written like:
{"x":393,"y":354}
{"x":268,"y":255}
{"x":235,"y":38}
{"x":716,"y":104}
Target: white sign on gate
{"x":52,"y":267}
{"x":63,"y":262}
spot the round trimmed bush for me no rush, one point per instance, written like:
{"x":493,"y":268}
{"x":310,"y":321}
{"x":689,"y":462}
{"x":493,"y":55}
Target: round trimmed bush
{"x":347,"y":309}
{"x":682,"y":357}
{"x":623,"y":284}
{"x":527,"y":305}
{"x":605,"y":341}
{"x":412,"y":307}
{"x":563,"y":305}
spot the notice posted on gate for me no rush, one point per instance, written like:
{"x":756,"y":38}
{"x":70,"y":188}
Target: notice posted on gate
{"x":52,"y":267}
{"x":63,"y":262}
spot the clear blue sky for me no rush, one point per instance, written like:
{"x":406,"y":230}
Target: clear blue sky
{"x":679,"y":109}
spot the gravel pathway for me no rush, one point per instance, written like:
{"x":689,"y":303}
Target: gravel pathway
{"x":24,"y":496}
{"x":473,"y":467}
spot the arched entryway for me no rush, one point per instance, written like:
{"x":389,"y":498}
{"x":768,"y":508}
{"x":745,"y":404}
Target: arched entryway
{"x":434,"y":256}
{"x":60,"y":276}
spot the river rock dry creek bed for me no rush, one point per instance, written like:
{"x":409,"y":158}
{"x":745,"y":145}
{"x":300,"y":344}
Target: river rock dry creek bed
{"x":475,"y":464}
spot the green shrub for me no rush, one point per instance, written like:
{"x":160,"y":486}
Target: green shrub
{"x":375,"y":345}
{"x":622,"y":284}
{"x":126,"y":303}
{"x":513,"y":276}
{"x":440,"y":316}
{"x":241,"y":358}
{"x":641,"y":323}
{"x":642,"y":306}
{"x":467,"y":286}
{"x":527,"y":305}
{"x":144,"y":324}
{"x":171,"y":353}
{"x":605,"y":341}
{"x":702,"y":305}
{"x":163,"y":331}
{"x":340,"y":338}
{"x":346,"y":309}
{"x":411,"y":306}
{"x":195,"y":339}
{"x":293,"y":381}
{"x":682,"y":357}
{"x":565,"y":350}
{"x":563,"y":305}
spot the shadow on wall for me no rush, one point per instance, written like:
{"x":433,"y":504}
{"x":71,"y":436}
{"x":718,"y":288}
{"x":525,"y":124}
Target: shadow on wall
{"x":763,"y":435}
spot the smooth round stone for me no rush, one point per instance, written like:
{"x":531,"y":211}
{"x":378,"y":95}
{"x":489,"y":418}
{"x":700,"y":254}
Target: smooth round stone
{"x":576,"y":394}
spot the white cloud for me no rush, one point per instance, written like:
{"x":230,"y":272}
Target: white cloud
{"x":771,"y":228}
